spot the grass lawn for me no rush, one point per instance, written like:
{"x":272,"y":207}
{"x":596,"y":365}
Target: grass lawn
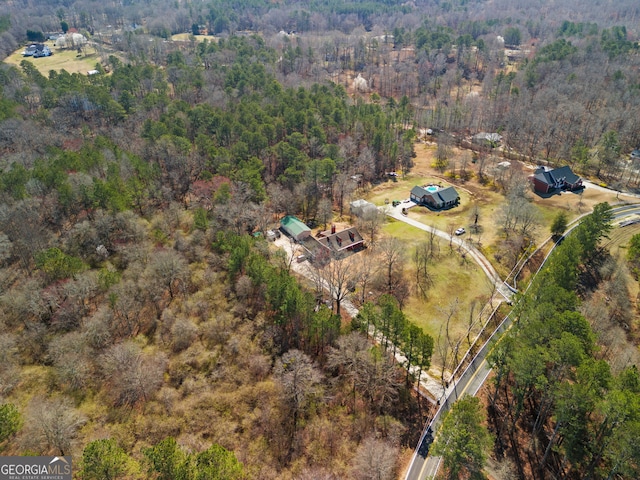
{"x":186,"y":37}
{"x":485,"y":197}
{"x":68,"y":60}
{"x":398,"y":190}
{"x":618,"y":243}
{"x":457,"y":283}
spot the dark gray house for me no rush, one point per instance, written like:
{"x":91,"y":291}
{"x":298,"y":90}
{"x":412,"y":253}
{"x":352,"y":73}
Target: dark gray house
{"x":37,"y":50}
{"x":441,"y":198}
{"x":563,"y":178}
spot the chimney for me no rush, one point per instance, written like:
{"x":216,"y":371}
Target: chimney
{"x":333,"y":229}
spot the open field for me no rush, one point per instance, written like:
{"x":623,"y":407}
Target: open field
{"x":483,"y":195}
{"x":69,"y":60}
{"x":459,"y":284}
{"x":186,"y":37}
{"x":459,"y":287}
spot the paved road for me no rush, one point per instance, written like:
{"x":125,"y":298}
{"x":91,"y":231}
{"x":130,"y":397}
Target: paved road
{"x":424,"y":466}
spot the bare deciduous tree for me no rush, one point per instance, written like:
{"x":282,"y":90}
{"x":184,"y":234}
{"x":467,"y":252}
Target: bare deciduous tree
{"x":375,"y":460}
{"x":132,"y":375}
{"x":51,"y":425}
{"x":339,"y":276}
{"x":443,"y":152}
{"x":167,"y":271}
{"x":447,"y":345}
{"x":70,"y":355}
{"x":325,"y":211}
{"x":392,"y":252}
{"x":344,"y":186}
{"x":370,"y":224}
{"x":350,"y":354}
{"x":365,"y":272}
{"x":183,"y":333}
{"x":422,"y":255}
{"x":300,"y":381}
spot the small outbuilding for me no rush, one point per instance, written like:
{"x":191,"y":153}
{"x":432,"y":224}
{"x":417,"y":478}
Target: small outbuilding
{"x":487,"y":139}
{"x":295,"y":228}
{"x":362,"y":208}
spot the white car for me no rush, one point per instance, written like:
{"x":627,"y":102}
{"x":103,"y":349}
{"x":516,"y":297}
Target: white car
{"x":460,"y":231}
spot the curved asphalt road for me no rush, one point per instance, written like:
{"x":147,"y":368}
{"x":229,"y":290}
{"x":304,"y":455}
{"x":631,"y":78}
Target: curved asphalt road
{"x":476,"y":255}
{"x":424,"y":466}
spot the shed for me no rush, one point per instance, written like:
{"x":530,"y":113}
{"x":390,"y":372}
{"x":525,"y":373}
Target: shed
{"x":362,"y":208}
{"x":488,"y":139}
{"x":295,"y":228}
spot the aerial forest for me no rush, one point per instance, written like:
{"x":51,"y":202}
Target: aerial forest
{"x":150,"y":330}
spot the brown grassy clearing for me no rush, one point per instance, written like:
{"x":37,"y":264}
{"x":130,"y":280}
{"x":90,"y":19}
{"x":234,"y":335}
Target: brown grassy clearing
{"x":62,"y":59}
{"x":457,"y":284}
{"x":186,"y":37}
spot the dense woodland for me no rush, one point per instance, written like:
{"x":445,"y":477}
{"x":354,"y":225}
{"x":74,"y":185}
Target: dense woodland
{"x":145,"y":330}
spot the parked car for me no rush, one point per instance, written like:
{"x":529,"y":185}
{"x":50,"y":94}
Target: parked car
{"x":460,"y":231}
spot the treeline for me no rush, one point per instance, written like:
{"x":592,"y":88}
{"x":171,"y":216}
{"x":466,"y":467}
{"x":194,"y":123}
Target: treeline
{"x":549,"y":108}
{"x":388,"y":325}
{"x":206,"y":345}
{"x":309,"y":142}
{"x":269,"y":288}
{"x":556,"y":408}
{"x":134,"y":306}
{"x":166,"y":460}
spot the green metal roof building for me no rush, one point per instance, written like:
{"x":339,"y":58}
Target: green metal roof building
{"x":295,"y":227}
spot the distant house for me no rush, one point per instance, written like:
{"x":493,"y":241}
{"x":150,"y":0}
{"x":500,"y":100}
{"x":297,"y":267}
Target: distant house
{"x":37,"y":50}
{"x":29,"y":51}
{"x":441,"y":198}
{"x":563,"y":178}
{"x":42,"y":51}
{"x":340,"y":242}
{"x":362,"y":208}
{"x":295,"y":228}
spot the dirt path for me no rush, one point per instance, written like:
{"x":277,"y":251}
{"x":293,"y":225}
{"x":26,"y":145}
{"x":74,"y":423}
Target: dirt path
{"x":292,"y":250}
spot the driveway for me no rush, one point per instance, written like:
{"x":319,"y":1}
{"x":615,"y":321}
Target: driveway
{"x":473,"y":252}
{"x":292,"y":250}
